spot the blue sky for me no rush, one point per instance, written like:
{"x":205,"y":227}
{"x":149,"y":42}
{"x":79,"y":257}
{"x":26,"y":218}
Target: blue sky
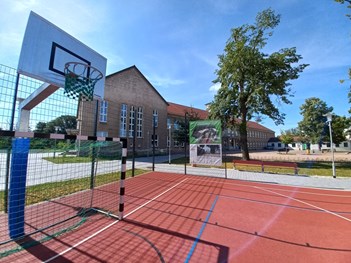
{"x":176,"y":43}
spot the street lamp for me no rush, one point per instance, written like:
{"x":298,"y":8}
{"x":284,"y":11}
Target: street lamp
{"x":329,"y":119}
{"x":170,"y":142}
{"x":56,"y":130}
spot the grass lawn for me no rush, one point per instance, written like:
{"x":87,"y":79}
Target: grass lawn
{"x":75,"y":159}
{"x":342,"y":169}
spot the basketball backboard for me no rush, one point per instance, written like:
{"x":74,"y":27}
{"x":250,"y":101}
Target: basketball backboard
{"x":46,"y":49}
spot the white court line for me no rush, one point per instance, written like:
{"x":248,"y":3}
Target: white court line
{"x":169,"y":189}
{"x":113,"y":223}
{"x":303,"y":202}
{"x":311,"y":193}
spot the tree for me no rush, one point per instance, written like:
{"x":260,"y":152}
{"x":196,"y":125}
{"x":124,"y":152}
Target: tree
{"x":181,"y":130}
{"x":251,"y":80}
{"x":348,"y":6}
{"x":286,"y":138}
{"x":339,"y":125}
{"x":292,"y":131}
{"x":313,"y":125}
{"x":349,"y":16}
{"x":63,"y":122}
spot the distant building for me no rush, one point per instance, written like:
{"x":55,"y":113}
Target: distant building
{"x":257,"y":137}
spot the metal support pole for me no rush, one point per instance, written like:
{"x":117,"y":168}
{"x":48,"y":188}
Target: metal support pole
{"x":332,"y":149}
{"x":122,"y":179}
{"x":153,"y":142}
{"x":170,"y":143}
{"x":225,"y":157}
{"x":134,"y":139}
{"x":185,"y":139}
{"x":93,"y":157}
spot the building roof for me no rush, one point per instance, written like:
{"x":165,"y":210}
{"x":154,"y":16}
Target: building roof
{"x":257,"y":126}
{"x":274,"y":139}
{"x":141,"y":74}
{"x":179,"y":111}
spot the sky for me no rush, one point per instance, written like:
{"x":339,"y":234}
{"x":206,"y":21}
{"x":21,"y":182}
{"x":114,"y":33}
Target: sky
{"x":176,"y":43}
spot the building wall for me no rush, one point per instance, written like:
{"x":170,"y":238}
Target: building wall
{"x":257,"y":139}
{"x":129,"y":87}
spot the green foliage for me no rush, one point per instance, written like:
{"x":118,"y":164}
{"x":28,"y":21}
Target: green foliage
{"x":251,"y":79}
{"x":349,"y":16}
{"x":181,"y":133}
{"x":61,"y":123}
{"x":313,"y":125}
{"x":286,"y":138}
{"x":58,"y":125}
{"x":5,"y":142}
{"x":339,"y":125}
{"x":348,"y":6}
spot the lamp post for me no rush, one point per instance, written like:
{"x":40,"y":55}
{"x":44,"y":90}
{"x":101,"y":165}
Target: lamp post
{"x":170,"y":142}
{"x":329,"y":119}
{"x":56,"y":130}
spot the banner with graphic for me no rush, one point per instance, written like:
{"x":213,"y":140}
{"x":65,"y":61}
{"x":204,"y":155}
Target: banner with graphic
{"x":205,"y":138}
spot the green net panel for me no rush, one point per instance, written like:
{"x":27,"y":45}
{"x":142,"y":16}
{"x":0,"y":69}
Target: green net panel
{"x":80,"y":80}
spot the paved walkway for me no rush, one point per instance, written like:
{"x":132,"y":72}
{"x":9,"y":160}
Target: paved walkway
{"x":297,"y":180}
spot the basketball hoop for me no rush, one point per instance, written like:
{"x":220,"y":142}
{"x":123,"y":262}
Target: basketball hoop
{"x":80,"y":80}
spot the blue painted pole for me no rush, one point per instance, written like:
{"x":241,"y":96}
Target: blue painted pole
{"x":17,"y":189}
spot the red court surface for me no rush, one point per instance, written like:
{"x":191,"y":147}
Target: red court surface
{"x":180,"y":218}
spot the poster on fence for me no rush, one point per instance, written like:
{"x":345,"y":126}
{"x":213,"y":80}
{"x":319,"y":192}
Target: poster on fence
{"x":205,"y":138}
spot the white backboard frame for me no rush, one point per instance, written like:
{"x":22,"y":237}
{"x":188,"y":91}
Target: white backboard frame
{"x":46,"y":49}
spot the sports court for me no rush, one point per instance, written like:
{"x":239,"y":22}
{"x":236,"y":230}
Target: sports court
{"x":181,"y":218}
{"x":73,"y":203}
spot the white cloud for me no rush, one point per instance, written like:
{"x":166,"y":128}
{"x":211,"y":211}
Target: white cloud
{"x":164,"y":82}
{"x":208,"y":59}
{"x":214,"y":88}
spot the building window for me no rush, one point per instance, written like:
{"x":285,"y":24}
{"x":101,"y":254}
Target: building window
{"x":131,"y":121}
{"x":156,"y":140}
{"x":176,"y":125}
{"x":293,"y":144}
{"x":123,"y":123}
{"x":103,"y":111}
{"x":155,"y":118}
{"x":140,"y":123}
{"x":169,"y":123}
{"x":102,"y":134}
{"x":346,"y":144}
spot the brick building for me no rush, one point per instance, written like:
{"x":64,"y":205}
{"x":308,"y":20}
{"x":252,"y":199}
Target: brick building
{"x":132,"y":103}
{"x":257,"y":134}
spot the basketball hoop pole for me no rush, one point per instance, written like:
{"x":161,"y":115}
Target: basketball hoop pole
{"x":93,"y":157}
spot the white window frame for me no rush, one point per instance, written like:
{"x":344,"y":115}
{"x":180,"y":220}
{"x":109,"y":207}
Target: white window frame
{"x":103,"y":111}
{"x":123,"y":121}
{"x":156,"y":140}
{"x":102,"y":134}
{"x":131,"y":121}
{"x":139,"y":123}
{"x":155,"y":117}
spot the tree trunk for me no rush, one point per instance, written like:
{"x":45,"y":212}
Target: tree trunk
{"x":243,"y":141}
